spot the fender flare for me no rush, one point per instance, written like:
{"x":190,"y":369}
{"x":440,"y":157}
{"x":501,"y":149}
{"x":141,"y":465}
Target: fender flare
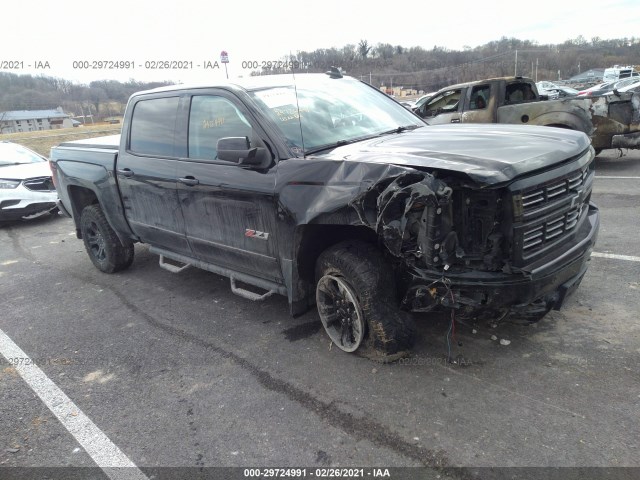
{"x":569,"y":120}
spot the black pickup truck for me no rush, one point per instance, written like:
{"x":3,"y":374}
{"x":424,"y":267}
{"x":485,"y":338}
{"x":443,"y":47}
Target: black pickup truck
{"x":327,"y":191}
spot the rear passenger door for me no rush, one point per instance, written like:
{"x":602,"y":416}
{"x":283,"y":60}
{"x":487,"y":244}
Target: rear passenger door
{"x":146,"y":173}
{"x":228,"y":209}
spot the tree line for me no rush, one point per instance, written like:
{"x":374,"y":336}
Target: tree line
{"x":101,"y":99}
{"x":432,"y":69}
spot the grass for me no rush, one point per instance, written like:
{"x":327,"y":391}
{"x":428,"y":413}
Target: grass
{"x":43,"y":140}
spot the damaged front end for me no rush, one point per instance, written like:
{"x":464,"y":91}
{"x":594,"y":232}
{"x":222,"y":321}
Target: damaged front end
{"x":514,"y":249}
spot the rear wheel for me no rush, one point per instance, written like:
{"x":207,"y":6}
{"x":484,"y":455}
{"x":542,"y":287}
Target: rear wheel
{"x":356,"y":300}
{"x":103,"y":246}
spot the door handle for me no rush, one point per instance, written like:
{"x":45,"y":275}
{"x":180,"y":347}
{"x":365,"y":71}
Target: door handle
{"x":190,"y":181}
{"x":127,"y":172}
{"x":455,"y":120}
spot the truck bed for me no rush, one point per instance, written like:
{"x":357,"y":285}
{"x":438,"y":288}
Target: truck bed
{"x":108,"y":142}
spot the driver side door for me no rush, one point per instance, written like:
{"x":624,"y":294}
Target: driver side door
{"x":228,"y":208}
{"x":444,"y":107}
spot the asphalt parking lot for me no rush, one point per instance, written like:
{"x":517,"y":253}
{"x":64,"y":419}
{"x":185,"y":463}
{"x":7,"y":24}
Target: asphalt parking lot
{"x":176,"y":371}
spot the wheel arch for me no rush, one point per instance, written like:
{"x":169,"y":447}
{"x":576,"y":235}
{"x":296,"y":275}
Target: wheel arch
{"x":564,"y":120}
{"x":80,"y":198}
{"x":309,"y":241}
{"x":314,"y":239}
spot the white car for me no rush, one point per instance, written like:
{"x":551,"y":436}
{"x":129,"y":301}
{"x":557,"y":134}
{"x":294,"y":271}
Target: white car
{"x":549,"y":89}
{"x":632,"y":85}
{"x":26,"y":188}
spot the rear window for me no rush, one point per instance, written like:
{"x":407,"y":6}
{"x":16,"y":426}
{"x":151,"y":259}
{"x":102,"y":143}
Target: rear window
{"x":153,"y":125}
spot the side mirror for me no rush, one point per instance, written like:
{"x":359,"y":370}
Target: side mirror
{"x":544,"y":97}
{"x":238,"y":150}
{"x":616,"y":92}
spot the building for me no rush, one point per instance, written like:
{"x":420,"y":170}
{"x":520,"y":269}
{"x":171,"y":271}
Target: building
{"x":400,"y":91}
{"x":593,"y":75}
{"x":33,"y":120}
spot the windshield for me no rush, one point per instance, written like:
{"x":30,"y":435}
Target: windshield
{"x":12,"y":154}
{"x":332,"y":112}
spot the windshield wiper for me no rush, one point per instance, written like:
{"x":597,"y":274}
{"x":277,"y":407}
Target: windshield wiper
{"x":337,"y":144}
{"x":340,"y":143}
{"x":10,"y":164}
{"x":401,"y":129}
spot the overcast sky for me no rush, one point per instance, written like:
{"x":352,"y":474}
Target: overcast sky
{"x":139,"y":31}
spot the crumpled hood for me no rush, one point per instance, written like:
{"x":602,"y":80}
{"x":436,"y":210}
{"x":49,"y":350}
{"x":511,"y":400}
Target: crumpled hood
{"x":26,"y":170}
{"x":489,"y":154}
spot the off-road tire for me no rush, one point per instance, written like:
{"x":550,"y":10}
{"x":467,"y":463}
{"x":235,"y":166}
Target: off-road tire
{"x":389,"y":332}
{"x":103,"y":246}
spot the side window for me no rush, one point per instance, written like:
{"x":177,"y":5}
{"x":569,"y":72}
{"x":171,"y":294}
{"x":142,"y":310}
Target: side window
{"x":153,"y":125}
{"x":446,"y":102}
{"x":519,"y":92}
{"x":479,"y":97}
{"x":212,"y":118}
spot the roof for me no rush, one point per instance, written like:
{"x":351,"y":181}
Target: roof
{"x":486,"y":80}
{"x":253,"y":83}
{"x":31,"y":114}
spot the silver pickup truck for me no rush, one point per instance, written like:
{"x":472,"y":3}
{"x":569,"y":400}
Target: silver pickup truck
{"x":611,"y":121}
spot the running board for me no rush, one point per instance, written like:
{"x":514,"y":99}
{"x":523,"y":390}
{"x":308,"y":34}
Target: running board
{"x":241,"y":292}
{"x":235,"y":276}
{"x":171,"y":267}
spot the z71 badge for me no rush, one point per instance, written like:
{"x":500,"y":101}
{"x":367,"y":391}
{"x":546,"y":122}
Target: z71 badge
{"x":256,"y":234}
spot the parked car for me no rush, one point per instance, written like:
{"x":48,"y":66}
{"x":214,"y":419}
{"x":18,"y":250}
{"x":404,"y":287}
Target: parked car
{"x":564,"y":91}
{"x":554,"y":91}
{"x":549,"y":89}
{"x":609,"y":87}
{"x":422,"y":100}
{"x":26,"y":189}
{"x":595,"y":90}
{"x":626,"y":85}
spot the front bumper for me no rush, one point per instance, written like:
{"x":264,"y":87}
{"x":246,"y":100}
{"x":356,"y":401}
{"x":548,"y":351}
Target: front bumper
{"x":527,"y":294}
{"x":20,"y":203}
{"x":627,"y":140}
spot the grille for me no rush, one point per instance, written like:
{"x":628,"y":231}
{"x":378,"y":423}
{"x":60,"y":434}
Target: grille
{"x":554,"y":228}
{"x":535,"y":199}
{"x":548,"y":213}
{"x":42,"y":184}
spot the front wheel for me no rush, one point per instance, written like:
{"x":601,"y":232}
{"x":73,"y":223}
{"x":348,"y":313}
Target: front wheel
{"x":105,"y":250}
{"x":356,"y":299}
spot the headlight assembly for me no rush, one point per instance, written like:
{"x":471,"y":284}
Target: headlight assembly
{"x":5,"y":183}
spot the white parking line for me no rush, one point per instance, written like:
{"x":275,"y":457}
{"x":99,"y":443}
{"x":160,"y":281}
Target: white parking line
{"x":618,"y":178}
{"x":630,"y":258}
{"x":102,"y":450}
